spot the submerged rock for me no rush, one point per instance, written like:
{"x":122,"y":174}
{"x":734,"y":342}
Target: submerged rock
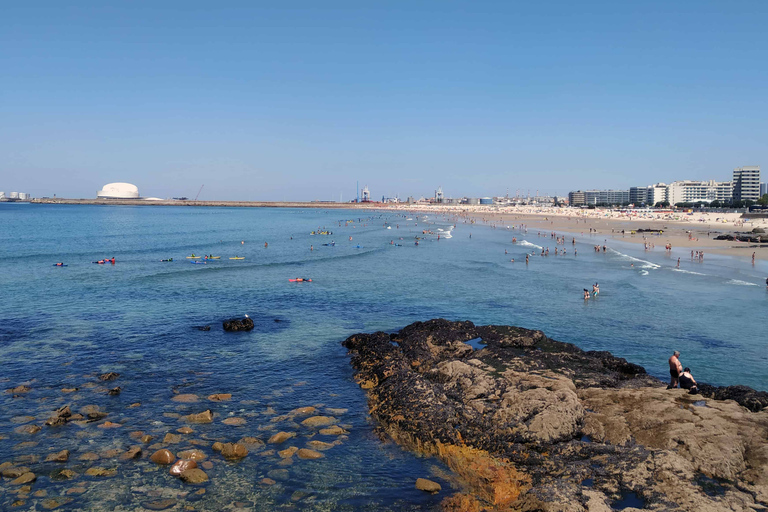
{"x":281,"y":437}
{"x":423,"y":484}
{"x":319,"y":421}
{"x":163,"y":457}
{"x":201,"y":417}
{"x":220,"y":397}
{"x":236,"y":324}
{"x":233,"y":451}
{"x":181,"y":466}
{"x":62,"y":456}
{"x":194,"y":476}
{"x":185,"y":398}
{"x":108,"y":376}
{"x":306,"y":453}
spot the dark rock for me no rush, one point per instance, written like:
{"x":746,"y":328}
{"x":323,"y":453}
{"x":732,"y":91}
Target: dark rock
{"x":60,"y":417}
{"x":236,"y":324}
{"x":114,"y":391}
{"x":203,"y":327}
{"x":108,"y":376}
{"x":753,"y":400}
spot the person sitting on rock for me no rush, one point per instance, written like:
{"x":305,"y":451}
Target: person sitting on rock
{"x":688,"y":382}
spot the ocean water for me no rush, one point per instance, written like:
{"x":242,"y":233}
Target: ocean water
{"x":61,"y":327}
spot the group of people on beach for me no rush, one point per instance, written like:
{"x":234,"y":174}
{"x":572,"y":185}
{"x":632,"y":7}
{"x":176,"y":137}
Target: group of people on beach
{"x":681,"y":376}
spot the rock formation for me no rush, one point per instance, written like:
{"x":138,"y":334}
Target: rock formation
{"x":237,"y":324}
{"x":529,"y":423}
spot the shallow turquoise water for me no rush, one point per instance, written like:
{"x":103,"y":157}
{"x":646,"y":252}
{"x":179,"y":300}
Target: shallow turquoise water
{"x":138,"y":318}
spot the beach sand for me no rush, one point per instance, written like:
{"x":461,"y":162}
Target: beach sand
{"x":683,"y":231}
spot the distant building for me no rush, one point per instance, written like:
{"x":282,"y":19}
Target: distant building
{"x":763,"y":189}
{"x":118,"y":191}
{"x":486,"y":200}
{"x":594,"y":197}
{"x":746,"y":183}
{"x":699,"y":191}
{"x":439,"y":195}
{"x":657,"y":193}
{"x":638,"y":195}
{"x":577,"y":198}
{"x":366,"y":195}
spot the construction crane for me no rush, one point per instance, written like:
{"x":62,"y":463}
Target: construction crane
{"x":198,"y":192}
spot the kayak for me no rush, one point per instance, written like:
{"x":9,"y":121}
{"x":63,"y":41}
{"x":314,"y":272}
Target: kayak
{"x":59,"y":265}
{"x":197,"y":262}
{"x":169,"y":259}
{"x":237,"y":258}
{"x":193,"y":257}
{"x":213,"y":257}
{"x":100,"y":262}
{"x":300,"y":280}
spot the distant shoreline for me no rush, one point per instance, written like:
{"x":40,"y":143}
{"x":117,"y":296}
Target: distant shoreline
{"x":175,"y":202}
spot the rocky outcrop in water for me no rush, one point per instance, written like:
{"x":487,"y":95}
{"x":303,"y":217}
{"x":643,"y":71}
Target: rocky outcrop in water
{"x":529,"y":423}
{"x":236,"y":324}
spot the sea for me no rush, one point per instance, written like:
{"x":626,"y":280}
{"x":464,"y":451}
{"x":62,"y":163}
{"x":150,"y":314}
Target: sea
{"x":159,"y":325}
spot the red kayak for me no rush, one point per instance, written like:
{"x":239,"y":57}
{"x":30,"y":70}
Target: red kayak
{"x":300,"y":280}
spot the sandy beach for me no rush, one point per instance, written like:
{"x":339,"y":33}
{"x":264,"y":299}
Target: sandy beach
{"x":695,"y":231}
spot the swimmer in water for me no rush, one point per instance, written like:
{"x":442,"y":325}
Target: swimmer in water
{"x":586,"y":294}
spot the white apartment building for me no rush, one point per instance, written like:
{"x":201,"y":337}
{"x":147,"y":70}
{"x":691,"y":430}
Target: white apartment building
{"x":695,"y":191}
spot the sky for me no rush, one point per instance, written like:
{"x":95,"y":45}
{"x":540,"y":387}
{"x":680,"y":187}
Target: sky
{"x":300,"y":100}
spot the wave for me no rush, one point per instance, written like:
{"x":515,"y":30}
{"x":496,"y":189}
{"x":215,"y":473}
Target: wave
{"x":739,"y":282}
{"x":688,"y":272}
{"x":645,"y":264}
{"x":526,"y":243}
{"x":643,"y":272}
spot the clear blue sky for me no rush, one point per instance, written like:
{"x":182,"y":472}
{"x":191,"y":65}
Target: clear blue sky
{"x":298,"y":100}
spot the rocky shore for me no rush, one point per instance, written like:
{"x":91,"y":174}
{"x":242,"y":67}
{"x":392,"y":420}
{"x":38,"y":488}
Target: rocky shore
{"x":531,"y":424}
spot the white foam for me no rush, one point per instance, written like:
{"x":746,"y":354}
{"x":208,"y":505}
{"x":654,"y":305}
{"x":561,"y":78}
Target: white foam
{"x":645,"y":264}
{"x":529,"y":244}
{"x":741,"y":283}
{"x":643,"y":272}
{"x":688,"y":272}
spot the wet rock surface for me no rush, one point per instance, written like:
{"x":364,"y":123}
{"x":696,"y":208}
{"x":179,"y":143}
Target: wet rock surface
{"x":237,"y":324}
{"x":529,"y":423}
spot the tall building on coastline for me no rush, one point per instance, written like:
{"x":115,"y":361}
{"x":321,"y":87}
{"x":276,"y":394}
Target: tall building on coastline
{"x":746,"y":183}
{"x":763,"y":189}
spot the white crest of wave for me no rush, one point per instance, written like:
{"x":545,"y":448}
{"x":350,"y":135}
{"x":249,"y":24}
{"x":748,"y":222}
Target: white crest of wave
{"x":645,"y":264}
{"x":688,"y":272}
{"x":739,"y":282}
{"x":529,"y":244}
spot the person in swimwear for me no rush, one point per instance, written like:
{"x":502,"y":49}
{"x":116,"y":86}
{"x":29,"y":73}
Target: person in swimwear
{"x":688,"y":382}
{"x":675,"y":368}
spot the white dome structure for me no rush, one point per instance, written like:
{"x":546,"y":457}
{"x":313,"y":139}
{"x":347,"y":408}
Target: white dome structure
{"x":118,"y":191}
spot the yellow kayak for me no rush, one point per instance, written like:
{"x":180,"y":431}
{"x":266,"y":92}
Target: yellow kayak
{"x":193,"y":257}
{"x":237,"y":258}
{"x":213,"y":257}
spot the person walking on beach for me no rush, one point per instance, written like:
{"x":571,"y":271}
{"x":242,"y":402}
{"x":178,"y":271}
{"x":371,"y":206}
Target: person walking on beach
{"x":753,"y":258}
{"x":678,"y":262}
{"x":675,"y":368}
